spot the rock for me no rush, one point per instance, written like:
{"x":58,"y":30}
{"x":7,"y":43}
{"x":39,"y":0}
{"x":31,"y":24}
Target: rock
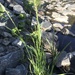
{"x":59,"y":18}
{"x":6,"y":34}
{"x":34,"y":22}
{"x":19,"y":2}
{"x":19,"y":70}
{"x":18,"y":43}
{"x":55,"y":74}
{"x":58,"y":26}
{"x":6,"y":41}
{"x":2,"y":1}
{"x":64,"y":40}
{"x":10,"y":60}
{"x":46,"y":25}
{"x":2,"y":24}
{"x":18,"y":9}
{"x":50,"y":7}
{"x":72,"y":66}
{"x":1,"y":41}
{"x":7,"y":2}
{"x":63,"y":60}
{"x":67,"y":32}
{"x":11,"y":6}
{"x":71,"y":7}
{"x":11,"y":48}
{"x":1,"y":48}
{"x":2,"y":54}
{"x":72,"y":28}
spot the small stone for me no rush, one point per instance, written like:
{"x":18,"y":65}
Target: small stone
{"x":2,"y":24}
{"x":46,"y":25}
{"x":34,"y":22}
{"x":57,"y":26}
{"x":11,"y":6}
{"x":63,"y":60}
{"x":18,"y":43}
{"x":18,"y":9}
{"x":50,"y":7}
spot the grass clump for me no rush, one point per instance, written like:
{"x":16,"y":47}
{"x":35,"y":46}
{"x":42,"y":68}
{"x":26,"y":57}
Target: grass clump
{"x":37,"y":59}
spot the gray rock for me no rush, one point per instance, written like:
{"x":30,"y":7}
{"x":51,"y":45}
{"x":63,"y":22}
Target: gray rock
{"x":72,"y":66}
{"x":7,"y":2}
{"x":58,"y":17}
{"x":50,"y":7}
{"x":18,"y":9}
{"x":6,"y":41}
{"x":72,"y":29}
{"x":2,"y":25}
{"x":34,"y":22}
{"x":1,"y":49}
{"x":63,"y":60}
{"x":46,"y":25}
{"x":2,"y":1}
{"x":58,"y":26}
{"x":19,"y":2}
{"x":19,"y":70}
{"x":2,"y":54}
{"x":64,"y":40}
{"x":10,"y":60}
{"x":6,"y":34}
{"x":11,"y":49}
{"x":71,"y":7}
{"x":18,"y":43}
{"x":1,"y":41}
{"x":11,"y":6}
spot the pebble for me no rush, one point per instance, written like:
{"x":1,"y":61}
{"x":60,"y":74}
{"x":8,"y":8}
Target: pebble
{"x":63,"y":60}
{"x":46,"y":25}
{"x":18,"y":43}
{"x":34,"y":22}
{"x":18,"y":9}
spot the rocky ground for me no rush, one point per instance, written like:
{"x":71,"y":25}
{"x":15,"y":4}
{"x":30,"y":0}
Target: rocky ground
{"x":54,"y":15}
